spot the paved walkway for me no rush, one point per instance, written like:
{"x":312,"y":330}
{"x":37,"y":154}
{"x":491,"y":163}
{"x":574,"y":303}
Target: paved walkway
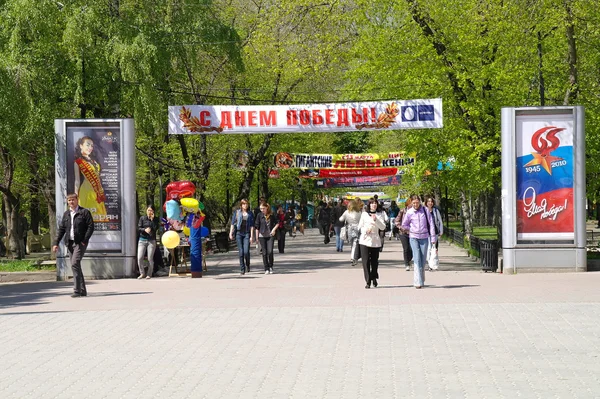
{"x":310,"y":330}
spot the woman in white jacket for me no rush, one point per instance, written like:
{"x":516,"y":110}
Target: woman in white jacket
{"x":351,"y":218}
{"x":370,"y":224}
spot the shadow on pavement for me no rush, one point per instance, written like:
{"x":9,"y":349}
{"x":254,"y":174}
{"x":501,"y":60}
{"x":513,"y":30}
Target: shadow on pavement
{"x":28,"y":294}
{"x":94,"y":294}
{"x":453,"y":286}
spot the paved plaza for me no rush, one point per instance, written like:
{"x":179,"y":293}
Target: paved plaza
{"x":311,"y":330}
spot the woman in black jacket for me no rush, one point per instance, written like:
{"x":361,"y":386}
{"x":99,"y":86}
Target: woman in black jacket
{"x":266,"y":225}
{"x":147,"y":227}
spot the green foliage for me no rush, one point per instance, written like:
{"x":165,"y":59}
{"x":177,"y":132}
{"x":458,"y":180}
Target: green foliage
{"x":134,"y":58}
{"x":24,"y":266}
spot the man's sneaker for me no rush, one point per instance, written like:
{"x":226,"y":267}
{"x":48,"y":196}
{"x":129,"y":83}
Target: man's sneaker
{"x":266,"y":272}
{"x":271,"y":271}
{"x":407,"y":268}
{"x":141,"y":276}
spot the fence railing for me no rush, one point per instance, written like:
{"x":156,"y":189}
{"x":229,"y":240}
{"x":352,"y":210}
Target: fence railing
{"x":486,"y":250}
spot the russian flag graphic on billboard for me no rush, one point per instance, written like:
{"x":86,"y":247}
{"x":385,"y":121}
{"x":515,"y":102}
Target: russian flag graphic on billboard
{"x":545,"y":170}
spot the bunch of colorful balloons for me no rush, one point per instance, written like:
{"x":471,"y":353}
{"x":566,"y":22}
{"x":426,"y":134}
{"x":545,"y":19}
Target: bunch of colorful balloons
{"x":183,"y":213}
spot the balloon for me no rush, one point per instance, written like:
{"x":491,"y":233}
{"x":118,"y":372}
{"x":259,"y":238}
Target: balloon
{"x":186,"y":231}
{"x":204,"y":231}
{"x":173,"y":210}
{"x":189,"y":205}
{"x":201,"y":206}
{"x":170,"y":239}
{"x":180,"y":189}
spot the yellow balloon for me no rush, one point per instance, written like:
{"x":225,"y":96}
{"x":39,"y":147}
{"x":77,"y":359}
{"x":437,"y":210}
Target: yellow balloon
{"x":170,"y":239}
{"x":186,"y":231}
{"x":189,"y":204}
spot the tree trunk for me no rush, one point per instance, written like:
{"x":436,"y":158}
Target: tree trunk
{"x":35,"y":214}
{"x":13,"y":239}
{"x":466,"y":213}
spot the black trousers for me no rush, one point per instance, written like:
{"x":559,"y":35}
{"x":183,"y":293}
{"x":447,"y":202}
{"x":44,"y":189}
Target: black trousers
{"x":281,"y":240}
{"x":406,"y":249}
{"x":76,"y":252}
{"x":266,"y":244}
{"x":370,"y":262}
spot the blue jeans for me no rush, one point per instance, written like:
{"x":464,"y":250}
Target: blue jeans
{"x":419,"y":250}
{"x":339,"y":243}
{"x":243,"y":243}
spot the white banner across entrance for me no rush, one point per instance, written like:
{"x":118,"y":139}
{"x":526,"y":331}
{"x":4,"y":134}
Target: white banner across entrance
{"x":334,"y":117}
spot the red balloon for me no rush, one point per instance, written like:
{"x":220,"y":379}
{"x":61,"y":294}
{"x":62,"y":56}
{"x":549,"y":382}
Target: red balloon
{"x":180,"y":189}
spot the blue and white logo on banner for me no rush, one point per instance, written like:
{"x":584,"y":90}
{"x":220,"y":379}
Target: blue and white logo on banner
{"x":426,"y":113}
{"x":409,"y":113}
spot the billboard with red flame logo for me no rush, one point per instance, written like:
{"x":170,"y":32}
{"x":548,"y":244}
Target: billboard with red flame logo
{"x":544,"y":178}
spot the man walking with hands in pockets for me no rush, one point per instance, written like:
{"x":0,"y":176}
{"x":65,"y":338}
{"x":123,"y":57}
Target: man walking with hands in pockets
{"x":77,"y":223}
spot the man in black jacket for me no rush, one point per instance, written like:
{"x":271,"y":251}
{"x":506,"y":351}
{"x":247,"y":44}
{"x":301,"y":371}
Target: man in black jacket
{"x":78,"y":225}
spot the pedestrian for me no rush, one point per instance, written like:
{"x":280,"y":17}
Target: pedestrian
{"x":283,"y":225}
{"x":350,"y":218}
{"x":266,"y":228}
{"x":438,"y":223}
{"x":303,"y":212}
{"x":290,"y":219}
{"x":325,"y":221}
{"x":77,"y":225}
{"x":336,"y":214}
{"x":242,"y":229}
{"x":256,"y":213}
{"x":421,"y":229}
{"x":370,"y":225}
{"x":22,"y":228}
{"x":147,"y":228}
{"x":393,"y":212}
{"x":403,"y":235}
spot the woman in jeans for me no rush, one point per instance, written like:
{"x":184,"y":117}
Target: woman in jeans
{"x":266,"y":225}
{"x":147,"y":227}
{"x":403,"y":235}
{"x":421,"y":231}
{"x":370,"y":225}
{"x":351,"y":217}
{"x":242,"y":227}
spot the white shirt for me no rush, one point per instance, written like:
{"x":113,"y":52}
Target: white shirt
{"x":71,"y":233}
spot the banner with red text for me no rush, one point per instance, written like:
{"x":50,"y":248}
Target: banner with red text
{"x":399,"y":160}
{"x":333,"y":117}
{"x":545,"y":176}
{"x":326,"y":173}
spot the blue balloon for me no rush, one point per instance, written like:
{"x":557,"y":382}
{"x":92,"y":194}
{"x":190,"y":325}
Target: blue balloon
{"x":204,"y":232}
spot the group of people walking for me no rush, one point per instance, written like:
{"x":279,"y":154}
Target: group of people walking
{"x":264,"y":227}
{"x":418,"y":228}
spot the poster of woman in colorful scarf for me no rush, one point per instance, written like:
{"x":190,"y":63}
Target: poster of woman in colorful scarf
{"x":93,"y":173}
{"x":87,"y":179}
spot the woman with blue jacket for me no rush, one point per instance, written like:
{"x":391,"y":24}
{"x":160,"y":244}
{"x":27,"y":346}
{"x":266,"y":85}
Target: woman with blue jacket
{"x":421,"y":230}
{"x":242,"y":228}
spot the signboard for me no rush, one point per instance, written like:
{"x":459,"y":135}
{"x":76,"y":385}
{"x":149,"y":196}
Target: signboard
{"x":399,"y":159}
{"x":95,"y":158}
{"x":543,"y":189}
{"x":93,"y":163}
{"x":544,"y":177}
{"x":332,"y":117}
{"x":321,"y":173}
